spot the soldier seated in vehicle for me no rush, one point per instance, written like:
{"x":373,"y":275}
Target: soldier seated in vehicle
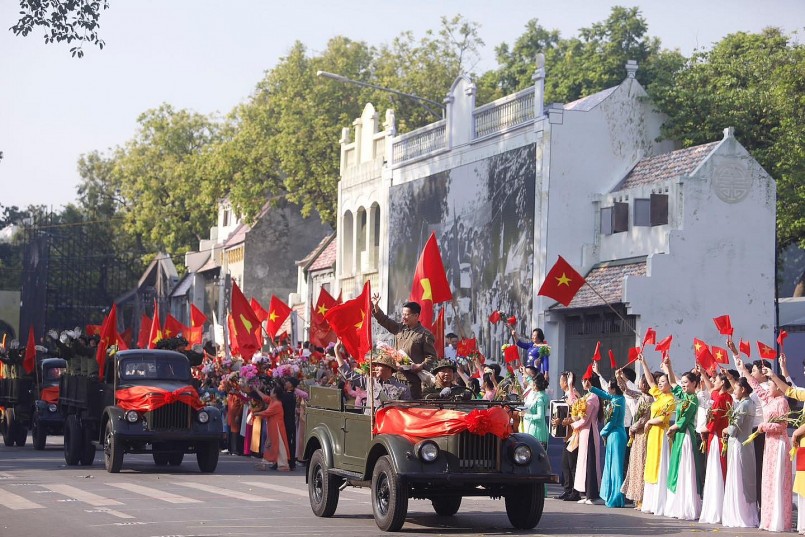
{"x":445,"y":386}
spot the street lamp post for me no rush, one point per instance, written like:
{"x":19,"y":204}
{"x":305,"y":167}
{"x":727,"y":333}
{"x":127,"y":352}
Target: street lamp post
{"x":421,"y":100}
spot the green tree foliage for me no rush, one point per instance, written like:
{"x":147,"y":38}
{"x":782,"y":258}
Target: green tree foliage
{"x":165,"y":199}
{"x":62,"y":20}
{"x":755,"y":83}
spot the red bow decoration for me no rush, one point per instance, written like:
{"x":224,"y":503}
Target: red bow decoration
{"x":148,"y":398}
{"x":414,"y":424}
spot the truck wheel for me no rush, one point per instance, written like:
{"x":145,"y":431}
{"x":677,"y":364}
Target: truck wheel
{"x":322,"y":487}
{"x":112,"y":450}
{"x":20,"y":434}
{"x":389,"y":496}
{"x":160,"y":459}
{"x":38,"y":434}
{"x":524,"y":505}
{"x":87,"y":448}
{"x":175,"y":459}
{"x":207,"y":456}
{"x":446,"y":505}
{"x":72,"y":441}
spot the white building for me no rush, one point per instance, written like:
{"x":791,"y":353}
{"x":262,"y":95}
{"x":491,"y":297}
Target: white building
{"x":668,"y":239}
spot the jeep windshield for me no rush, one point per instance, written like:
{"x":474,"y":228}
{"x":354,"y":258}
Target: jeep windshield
{"x":154,"y":368}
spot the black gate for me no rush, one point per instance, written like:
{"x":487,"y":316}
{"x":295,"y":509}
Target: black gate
{"x":584,"y":328}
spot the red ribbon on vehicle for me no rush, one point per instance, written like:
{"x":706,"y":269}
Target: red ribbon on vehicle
{"x":49,"y":394}
{"x":148,"y":398}
{"x":414,"y":424}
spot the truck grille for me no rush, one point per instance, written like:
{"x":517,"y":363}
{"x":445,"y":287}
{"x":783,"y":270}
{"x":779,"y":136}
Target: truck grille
{"x":171,"y":417}
{"x":478,"y":453}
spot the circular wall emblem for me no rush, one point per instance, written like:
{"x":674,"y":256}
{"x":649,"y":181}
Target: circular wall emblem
{"x":731,"y":182}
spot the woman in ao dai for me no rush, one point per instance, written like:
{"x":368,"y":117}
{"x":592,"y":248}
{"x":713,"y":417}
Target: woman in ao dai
{"x":716,"y":465}
{"x":686,"y":467}
{"x":740,"y":493}
{"x":614,"y":435}
{"x":775,"y":512}
{"x":657,"y":447}
{"x":588,"y":465}
{"x":633,"y":480}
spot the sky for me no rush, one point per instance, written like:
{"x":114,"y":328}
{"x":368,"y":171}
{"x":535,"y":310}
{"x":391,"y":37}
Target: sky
{"x":207,"y":56}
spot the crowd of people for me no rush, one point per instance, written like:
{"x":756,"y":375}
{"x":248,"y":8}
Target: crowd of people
{"x":710,"y":446}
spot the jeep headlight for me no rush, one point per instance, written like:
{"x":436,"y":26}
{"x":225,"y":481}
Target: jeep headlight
{"x":521,"y":454}
{"x":203,"y":417}
{"x":52,"y":408}
{"x":427,"y":451}
{"x":132,"y":416}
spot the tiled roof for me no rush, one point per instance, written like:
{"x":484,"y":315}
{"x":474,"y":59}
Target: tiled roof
{"x":237,"y":236}
{"x":326,"y":259}
{"x":585,"y":104}
{"x":607,"y":279}
{"x":667,"y":166}
{"x":316,"y":251}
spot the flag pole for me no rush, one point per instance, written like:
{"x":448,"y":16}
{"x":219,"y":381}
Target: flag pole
{"x":610,"y":307}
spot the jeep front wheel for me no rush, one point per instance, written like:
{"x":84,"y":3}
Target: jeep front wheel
{"x":206,"y":456}
{"x":446,"y":505}
{"x":389,"y":496}
{"x":524,"y":505}
{"x":322,"y":487}
{"x":38,"y":434}
{"x":112,"y":450}
{"x":72,"y":440}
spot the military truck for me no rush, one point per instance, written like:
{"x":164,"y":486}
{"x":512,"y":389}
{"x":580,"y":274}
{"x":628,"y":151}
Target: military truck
{"x":342,"y":450}
{"x":30,"y":403}
{"x":144,"y":403}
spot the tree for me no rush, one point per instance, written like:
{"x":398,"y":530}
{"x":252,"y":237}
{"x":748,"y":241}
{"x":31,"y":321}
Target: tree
{"x":63,"y":20}
{"x":755,"y":83}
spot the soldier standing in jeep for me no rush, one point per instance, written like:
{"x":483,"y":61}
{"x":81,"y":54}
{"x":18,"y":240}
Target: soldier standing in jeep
{"x":410,"y":337}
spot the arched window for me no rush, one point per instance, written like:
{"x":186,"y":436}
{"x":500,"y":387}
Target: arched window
{"x":347,"y":250}
{"x":374,"y":230}
{"x":360,"y":239}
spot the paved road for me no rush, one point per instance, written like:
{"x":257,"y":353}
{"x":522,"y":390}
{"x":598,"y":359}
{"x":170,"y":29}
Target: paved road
{"x":40,"y":496}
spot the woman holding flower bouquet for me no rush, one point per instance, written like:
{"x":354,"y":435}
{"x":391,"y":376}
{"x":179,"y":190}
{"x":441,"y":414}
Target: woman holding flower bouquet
{"x":686,"y":466}
{"x":614,"y":435}
{"x":633,"y":480}
{"x":716,"y":466}
{"x":775,"y":513}
{"x":655,"y":475}
{"x":740,"y":492}
{"x":585,"y":427}
{"x":276,"y":453}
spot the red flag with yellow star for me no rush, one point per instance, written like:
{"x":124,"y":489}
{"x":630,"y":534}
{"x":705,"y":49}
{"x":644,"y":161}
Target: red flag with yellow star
{"x":430,"y":284}
{"x":703,"y":355}
{"x":145,"y":331}
{"x":29,"y":362}
{"x":321,"y":334}
{"x":352,"y":323}
{"x":261,"y":313}
{"x":109,"y":337}
{"x":562,"y":282}
{"x":173,"y":328}
{"x":155,"y":334}
{"x":244,"y":323}
{"x":278,"y":312}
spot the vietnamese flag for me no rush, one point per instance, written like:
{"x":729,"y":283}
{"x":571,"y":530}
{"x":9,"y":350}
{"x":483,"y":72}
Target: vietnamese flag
{"x":352,"y":323}
{"x":155,"y":334}
{"x":465,"y":347}
{"x":720,"y":355}
{"x":495,"y":317}
{"x":562,"y":282}
{"x":197,"y":317}
{"x":745,"y":347}
{"x":634,"y":354}
{"x":724,"y":325}
{"x":438,"y":333}
{"x":109,"y":337}
{"x":244,"y":323}
{"x":650,"y":338}
{"x":430,"y":284}
{"x":320,"y":332}
{"x":511,"y":354}
{"x":597,"y":353}
{"x":781,"y":338}
{"x":93,"y":330}
{"x":612,"y":361}
{"x":145,"y":330}
{"x":278,"y":312}
{"x":703,"y":355}
{"x":29,"y":362}
{"x":233,"y":340}
{"x":589,"y":373}
{"x":261,"y":313}
{"x":665,"y":345}
{"x":766,"y":352}
{"x":173,"y":328}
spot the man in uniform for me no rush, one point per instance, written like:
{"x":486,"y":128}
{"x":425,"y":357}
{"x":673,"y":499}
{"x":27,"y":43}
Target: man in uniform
{"x":445,"y":372}
{"x":412,"y":338}
{"x":384,"y":388}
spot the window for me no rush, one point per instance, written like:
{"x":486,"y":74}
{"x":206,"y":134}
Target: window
{"x":615,"y":219}
{"x":642,"y":212}
{"x":659,"y":209}
{"x":606,"y":220}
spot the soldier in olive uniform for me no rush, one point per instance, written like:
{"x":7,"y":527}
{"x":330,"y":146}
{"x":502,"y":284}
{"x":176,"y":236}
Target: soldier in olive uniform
{"x":412,"y":338}
{"x":445,"y":385}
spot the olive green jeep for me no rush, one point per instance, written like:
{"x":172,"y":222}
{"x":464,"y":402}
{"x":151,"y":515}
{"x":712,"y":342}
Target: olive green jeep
{"x":341,"y":451}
